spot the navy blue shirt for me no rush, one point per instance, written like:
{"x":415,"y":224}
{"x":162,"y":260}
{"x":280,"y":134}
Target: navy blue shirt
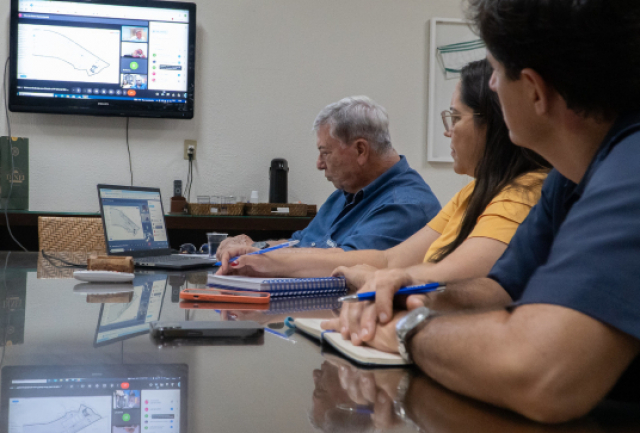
{"x":580,"y":245}
{"x":381,"y":215}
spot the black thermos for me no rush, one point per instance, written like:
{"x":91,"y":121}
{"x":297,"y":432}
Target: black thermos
{"x":278,"y":180}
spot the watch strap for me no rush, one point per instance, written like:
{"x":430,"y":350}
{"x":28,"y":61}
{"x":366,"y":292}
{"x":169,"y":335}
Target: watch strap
{"x":407,"y":327}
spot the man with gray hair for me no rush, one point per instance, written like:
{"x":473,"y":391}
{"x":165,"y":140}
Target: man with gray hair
{"x":380,"y":201}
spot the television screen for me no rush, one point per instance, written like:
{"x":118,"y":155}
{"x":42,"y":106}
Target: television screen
{"x":109,"y":57}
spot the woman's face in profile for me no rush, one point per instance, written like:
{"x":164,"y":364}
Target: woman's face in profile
{"x":467,"y":139}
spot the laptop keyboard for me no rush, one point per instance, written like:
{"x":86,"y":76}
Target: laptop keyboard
{"x":172,"y":258}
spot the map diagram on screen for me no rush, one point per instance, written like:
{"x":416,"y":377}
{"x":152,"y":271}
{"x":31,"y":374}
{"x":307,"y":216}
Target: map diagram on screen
{"x":60,"y":415}
{"x":69,"y":51}
{"x":124,"y":222}
{"x":68,"y":54}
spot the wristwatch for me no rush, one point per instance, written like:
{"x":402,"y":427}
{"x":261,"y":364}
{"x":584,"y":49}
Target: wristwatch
{"x":407,"y":327}
{"x":262,"y":245}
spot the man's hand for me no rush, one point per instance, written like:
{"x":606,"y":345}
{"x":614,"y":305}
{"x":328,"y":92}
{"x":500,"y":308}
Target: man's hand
{"x":384,"y":335}
{"x":232,"y":242}
{"x":258,"y":265}
{"x":228,"y":254}
{"x":358,"y":320}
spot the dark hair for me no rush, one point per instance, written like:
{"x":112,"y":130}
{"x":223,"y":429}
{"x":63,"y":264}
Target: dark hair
{"x":502,"y":162}
{"x":586,"y":49}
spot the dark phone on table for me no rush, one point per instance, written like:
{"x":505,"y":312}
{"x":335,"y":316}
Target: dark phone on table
{"x":184,"y":330}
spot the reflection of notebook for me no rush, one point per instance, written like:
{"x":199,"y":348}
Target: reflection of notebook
{"x":134,"y":225}
{"x":281,"y":287}
{"x":361,"y":354}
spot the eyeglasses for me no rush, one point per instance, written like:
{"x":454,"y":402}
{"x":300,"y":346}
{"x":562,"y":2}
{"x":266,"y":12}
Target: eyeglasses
{"x":450,"y":119}
{"x":191,"y":249}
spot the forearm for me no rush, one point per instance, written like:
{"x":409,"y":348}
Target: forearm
{"x":455,"y":351}
{"x":476,"y":293}
{"x":549,"y":363}
{"x":316,"y":262}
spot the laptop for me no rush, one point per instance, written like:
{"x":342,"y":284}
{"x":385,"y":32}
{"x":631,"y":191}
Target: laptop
{"x":134,"y":225}
{"x":94,"y":398}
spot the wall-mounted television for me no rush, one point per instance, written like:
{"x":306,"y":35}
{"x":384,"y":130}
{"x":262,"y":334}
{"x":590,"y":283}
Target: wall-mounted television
{"x":132,"y":58}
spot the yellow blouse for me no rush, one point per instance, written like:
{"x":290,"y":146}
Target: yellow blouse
{"x":500,"y":218}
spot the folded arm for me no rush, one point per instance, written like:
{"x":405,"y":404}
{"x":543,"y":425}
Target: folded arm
{"x":547,"y":362}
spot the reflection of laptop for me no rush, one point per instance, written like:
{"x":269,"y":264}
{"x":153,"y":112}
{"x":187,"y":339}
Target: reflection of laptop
{"x":119,"y":322}
{"x":97,"y":398}
{"x":134,"y":225}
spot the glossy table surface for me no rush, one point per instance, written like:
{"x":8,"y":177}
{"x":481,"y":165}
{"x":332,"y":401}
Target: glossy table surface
{"x":283,"y":383}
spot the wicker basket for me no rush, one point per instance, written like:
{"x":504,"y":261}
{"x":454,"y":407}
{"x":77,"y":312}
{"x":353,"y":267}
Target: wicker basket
{"x":236,"y":209}
{"x":268,"y":209}
{"x":71,"y":234}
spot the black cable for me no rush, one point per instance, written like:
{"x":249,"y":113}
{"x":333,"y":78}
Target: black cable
{"x":5,"y":306}
{"x":187,"y":187}
{"x":5,"y":84}
{"x":50,"y":259}
{"x":190,"y":177}
{"x":129,"y":152}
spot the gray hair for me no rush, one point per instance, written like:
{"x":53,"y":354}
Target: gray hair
{"x":357,"y":117}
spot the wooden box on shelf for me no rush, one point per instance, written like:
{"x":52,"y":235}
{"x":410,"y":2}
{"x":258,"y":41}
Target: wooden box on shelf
{"x":235,"y":209}
{"x":279,"y":209}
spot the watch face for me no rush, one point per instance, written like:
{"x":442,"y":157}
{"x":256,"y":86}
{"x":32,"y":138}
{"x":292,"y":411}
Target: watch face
{"x":412,"y":320}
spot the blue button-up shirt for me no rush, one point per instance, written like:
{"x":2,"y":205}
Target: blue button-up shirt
{"x":381,"y":215}
{"x":580,"y":245}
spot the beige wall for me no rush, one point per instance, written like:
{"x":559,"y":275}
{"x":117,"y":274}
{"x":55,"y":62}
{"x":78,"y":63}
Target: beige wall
{"x":265,"y":68}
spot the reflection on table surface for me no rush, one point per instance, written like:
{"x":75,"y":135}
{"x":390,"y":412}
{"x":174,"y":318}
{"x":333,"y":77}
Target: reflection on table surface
{"x":286,"y":383}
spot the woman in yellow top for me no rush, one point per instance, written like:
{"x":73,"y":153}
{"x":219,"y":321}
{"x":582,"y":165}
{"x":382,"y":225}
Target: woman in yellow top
{"x":463,"y":241}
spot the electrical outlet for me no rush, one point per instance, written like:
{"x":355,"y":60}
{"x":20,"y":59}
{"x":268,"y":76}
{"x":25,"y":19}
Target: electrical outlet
{"x":187,"y":145}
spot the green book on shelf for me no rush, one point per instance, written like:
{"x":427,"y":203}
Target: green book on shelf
{"x":19,"y":199}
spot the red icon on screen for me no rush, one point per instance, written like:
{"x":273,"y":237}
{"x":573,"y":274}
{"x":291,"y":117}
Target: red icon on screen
{"x":131,"y":92}
{"x":124,"y":385}
{"x":146,"y":409}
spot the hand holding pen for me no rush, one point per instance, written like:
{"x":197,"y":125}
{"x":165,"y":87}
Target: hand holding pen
{"x":360,"y":321}
{"x":242,"y":251}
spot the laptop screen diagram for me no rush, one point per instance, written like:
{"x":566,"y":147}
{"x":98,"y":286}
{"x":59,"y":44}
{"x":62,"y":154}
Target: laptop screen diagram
{"x":133,"y":220}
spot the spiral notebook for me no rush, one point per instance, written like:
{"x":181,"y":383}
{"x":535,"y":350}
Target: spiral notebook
{"x":281,"y":287}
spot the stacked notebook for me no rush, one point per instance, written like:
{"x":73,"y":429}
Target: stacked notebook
{"x":281,"y":287}
{"x":361,"y":354}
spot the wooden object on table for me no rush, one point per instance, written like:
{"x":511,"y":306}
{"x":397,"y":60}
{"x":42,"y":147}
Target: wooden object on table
{"x":110,"y":263}
{"x":71,"y":234}
{"x":271,"y":209}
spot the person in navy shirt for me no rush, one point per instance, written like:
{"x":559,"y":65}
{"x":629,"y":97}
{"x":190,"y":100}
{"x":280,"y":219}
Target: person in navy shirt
{"x":380,"y":201}
{"x":555,"y":328}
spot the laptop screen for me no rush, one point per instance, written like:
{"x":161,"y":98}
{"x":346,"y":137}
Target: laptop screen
{"x":122,"y":321}
{"x":114,"y":399}
{"x":133,"y":220}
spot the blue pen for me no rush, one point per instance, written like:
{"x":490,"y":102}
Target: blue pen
{"x":266,"y":250}
{"x":409,"y":290}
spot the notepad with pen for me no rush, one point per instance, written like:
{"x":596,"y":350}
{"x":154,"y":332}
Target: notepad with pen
{"x":363,"y":355}
{"x":281,"y":287}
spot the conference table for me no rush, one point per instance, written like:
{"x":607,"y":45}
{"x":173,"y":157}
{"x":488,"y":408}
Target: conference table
{"x":52,"y":324}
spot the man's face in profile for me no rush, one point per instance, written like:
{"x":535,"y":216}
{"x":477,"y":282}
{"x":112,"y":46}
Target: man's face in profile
{"x":337,"y":160}
{"x":139,"y":34}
